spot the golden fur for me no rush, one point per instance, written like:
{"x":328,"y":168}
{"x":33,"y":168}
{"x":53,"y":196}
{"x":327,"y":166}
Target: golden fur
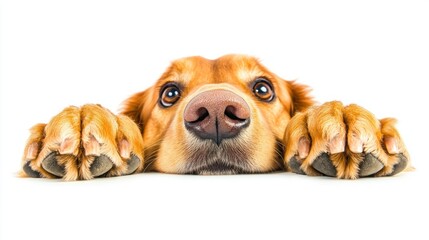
{"x":289,"y":126}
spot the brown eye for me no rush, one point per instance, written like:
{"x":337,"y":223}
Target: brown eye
{"x":263,"y":90}
{"x":169,"y":95}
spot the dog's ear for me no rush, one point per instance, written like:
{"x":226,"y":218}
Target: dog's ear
{"x":299,"y":98}
{"x":139,"y":107}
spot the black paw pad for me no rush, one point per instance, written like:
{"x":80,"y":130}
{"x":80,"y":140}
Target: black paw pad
{"x":30,"y":172}
{"x":51,"y":165}
{"x":324,"y":165}
{"x":370,"y":165}
{"x":133,"y":164}
{"x":101,"y":165}
{"x":400,"y":166}
{"x":295,"y":166}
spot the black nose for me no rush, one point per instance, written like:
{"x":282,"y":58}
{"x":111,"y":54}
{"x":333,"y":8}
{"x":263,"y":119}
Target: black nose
{"x":217,"y":115}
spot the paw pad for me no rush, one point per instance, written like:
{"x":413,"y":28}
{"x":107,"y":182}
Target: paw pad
{"x":295,"y":166}
{"x":400,"y":166}
{"x":29,"y":171}
{"x":369,"y":166}
{"x":101,"y":165}
{"x":324,"y":165}
{"x":133,"y":164}
{"x":50,"y":164}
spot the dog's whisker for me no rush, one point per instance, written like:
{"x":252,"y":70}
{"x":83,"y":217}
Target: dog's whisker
{"x":147,"y":165}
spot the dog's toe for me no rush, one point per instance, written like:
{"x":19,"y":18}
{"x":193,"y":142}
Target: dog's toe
{"x":400,"y":166}
{"x":324,"y":165}
{"x":50,"y":164}
{"x":295,"y":166}
{"x":29,"y":171}
{"x":369,"y":166}
{"x":133,"y":164}
{"x":101,"y":165}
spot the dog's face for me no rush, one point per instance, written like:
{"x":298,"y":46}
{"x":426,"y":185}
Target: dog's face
{"x":222,"y":116}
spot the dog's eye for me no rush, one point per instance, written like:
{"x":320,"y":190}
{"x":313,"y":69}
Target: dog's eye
{"x":169,"y":96}
{"x":263,"y":90}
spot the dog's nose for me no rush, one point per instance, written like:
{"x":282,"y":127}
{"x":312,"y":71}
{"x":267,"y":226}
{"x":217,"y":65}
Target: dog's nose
{"x":217,"y":115}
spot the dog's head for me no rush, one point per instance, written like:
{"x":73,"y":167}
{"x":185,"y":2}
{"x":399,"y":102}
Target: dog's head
{"x":222,"y":116}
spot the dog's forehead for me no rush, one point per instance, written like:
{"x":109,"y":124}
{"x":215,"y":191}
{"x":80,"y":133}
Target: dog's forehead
{"x":229,"y":68}
{"x":243,"y":67}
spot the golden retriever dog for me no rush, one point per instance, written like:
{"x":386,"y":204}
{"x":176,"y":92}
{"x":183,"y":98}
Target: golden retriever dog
{"x":212,"y":117}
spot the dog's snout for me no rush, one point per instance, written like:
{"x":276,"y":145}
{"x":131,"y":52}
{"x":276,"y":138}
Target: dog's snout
{"x":217,"y":115}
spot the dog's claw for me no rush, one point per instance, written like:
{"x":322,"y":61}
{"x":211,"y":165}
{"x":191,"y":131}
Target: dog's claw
{"x":400,"y":166}
{"x":324,"y":165}
{"x":133,"y":164}
{"x":101,"y":165}
{"x":295,"y":166}
{"x":51,"y":165}
{"x":29,"y":171}
{"x":369,"y":166}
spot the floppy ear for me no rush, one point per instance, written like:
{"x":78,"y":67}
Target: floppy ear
{"x":295,"y":96}
{"x":300,"y":96}
{"x":139,"y":106}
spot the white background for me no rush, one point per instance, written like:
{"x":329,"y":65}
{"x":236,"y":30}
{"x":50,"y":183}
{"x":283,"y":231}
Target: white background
{"x":59,"y":53}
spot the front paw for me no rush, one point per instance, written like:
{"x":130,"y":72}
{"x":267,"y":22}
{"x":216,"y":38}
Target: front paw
{"x":344,"y":142}
{"x":83,"y":143}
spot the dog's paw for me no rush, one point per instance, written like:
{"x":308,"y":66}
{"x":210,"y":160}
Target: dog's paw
{"x":344,"y":142}
{"x":83,"y":143}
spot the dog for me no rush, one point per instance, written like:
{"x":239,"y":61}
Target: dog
{"x":230,"y":115}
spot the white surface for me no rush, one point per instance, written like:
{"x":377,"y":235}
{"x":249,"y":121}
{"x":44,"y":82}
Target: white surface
{"x":60,"y":53}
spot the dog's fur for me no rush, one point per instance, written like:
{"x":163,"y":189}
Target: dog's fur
{"x":286,"y":133}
